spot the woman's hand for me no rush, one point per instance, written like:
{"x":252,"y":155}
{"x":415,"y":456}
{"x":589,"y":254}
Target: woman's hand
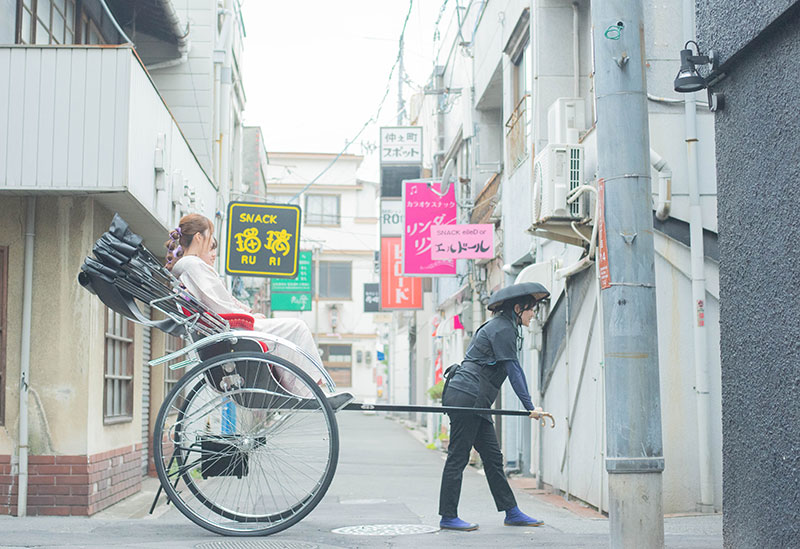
{"x":258,"y":315}
{"x":536,"y":413}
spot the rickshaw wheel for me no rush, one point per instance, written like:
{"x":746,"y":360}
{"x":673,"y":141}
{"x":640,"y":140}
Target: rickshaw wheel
{"x":246,"y":444}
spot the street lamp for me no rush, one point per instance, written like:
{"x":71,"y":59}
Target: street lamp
{"x":689,"y":80}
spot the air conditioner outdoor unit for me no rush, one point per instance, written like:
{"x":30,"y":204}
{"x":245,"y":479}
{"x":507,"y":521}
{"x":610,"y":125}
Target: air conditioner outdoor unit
{"x":566,"y":119}
{"x":557,"y":170}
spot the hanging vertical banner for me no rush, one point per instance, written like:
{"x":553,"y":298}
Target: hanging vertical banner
{"x":372,"y":297}
{"x":602,"y":246}
{"x":293,"y":294}
{"x":397,"y":291}
{"x":424,"y":209}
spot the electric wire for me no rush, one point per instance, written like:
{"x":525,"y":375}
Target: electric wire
{"x":377,"y":113}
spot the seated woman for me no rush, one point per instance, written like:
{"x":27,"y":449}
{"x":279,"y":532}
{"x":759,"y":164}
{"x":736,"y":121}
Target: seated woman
{"x":191,"y":251}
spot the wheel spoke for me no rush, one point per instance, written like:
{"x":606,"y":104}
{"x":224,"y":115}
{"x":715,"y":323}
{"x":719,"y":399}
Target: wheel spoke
{"x":254,"y":459}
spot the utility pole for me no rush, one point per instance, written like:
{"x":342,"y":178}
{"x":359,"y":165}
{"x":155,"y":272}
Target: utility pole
{"x":634,"y":454}
{"x":400,"y":102}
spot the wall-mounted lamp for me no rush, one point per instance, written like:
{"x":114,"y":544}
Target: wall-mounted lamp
{"x":359,"y":356}
{"x":689,"y":80}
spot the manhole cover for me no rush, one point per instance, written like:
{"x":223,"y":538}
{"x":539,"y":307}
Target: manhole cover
{"x":386,"y":530}
{"x":256,"y":544}
{"x":362,"y":501}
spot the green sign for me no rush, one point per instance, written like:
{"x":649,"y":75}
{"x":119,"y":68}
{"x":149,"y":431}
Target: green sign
{"x":263,"y":240}
{"x":291,"y":302}
{"x":300,"y":284}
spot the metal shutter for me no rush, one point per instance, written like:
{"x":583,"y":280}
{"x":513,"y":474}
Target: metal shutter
{"x":145,"y":393}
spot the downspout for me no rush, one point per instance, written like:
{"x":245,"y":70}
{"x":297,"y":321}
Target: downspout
{"x":25,"y":358}
{"x":702,"y":384}
{"x":664,"y":184}
{"x":114,"y":22}
{"x":225,"y":90}
{"x":184,"y":48}
{"x":576,"y":58}
{"x":219,"y":61}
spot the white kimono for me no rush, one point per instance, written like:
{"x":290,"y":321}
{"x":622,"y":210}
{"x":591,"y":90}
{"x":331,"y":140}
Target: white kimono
{"x":204,"y":283}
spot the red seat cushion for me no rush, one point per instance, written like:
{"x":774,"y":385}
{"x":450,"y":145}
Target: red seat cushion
{"x":239,"y":321}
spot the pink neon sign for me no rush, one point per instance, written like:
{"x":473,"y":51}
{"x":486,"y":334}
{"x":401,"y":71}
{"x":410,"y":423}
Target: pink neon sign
{"x":425,"y":209}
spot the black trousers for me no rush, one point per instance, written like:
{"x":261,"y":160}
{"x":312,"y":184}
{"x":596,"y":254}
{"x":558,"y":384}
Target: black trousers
{"x":466,"y":431}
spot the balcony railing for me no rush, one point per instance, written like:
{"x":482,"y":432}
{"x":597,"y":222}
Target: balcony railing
{"x":88,"y":119}
{"x":517,"y":133}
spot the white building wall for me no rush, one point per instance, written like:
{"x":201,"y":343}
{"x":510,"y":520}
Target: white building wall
{"x":188,"y":88}
{"x":572,"y":460}
{"x":100,"y":137}
{"x":355,"y":240}
{"x":580,"y":472}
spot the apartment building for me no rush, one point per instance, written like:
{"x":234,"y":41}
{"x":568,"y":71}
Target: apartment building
{"x":510,"y":106}
{"x":340,"y":229}
{"x":110,"y":107}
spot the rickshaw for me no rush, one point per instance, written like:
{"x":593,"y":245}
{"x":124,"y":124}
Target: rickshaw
{"x":245,"y":443}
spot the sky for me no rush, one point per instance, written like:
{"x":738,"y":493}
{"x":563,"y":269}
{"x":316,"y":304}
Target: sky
{"x":316,"y":70}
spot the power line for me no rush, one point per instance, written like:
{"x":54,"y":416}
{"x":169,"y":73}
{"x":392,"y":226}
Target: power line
{"x":377,"y":113}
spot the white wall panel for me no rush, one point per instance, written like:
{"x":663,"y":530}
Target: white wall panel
{"x":46,"y":104}
{"x":88,"y":119}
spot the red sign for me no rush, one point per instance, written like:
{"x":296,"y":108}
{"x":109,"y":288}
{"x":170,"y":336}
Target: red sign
{"x":602,"y":246}
{"x":397,"y":291}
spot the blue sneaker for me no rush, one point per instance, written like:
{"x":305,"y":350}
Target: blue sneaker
{"x":515,"y":517}
{"x":455,"y":523}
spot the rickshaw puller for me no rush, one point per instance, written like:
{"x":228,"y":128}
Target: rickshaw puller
{"x":490,"y":358}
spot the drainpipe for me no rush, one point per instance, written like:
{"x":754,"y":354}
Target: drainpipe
{"x":184,"y":48}
{"x":25,"y":358}
{"x":220,"y":122}
{"x":576,"y":58}
{"x":664,"y":184}
{"x":702,"y":384}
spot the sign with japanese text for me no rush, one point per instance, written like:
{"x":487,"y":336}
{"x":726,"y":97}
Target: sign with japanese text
{"x":372,"y":297}
{"x":290,"y":302}
{"x":263,"y":240}
{"x":391,"y":217}
{"x":401,"y":145}
{"x":301,"y":284}
{"x":397,"y":291}
{"x":462,"y":241}
{"x":425,"y":209}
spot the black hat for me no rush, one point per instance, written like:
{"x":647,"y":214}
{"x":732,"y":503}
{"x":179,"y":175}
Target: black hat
{"x":533,"y":289}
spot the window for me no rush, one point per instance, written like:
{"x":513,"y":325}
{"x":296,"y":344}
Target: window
{"x":335,"y":279}
{"x":322,"y":209}
{"x":47,"y":21}
{"x":118,"y":375}
{"x":518,"y":127}
{"x":281,"y":199}
{"x":171,"y":377}
{"x":3,"y":328}
{"x":338,"y":360}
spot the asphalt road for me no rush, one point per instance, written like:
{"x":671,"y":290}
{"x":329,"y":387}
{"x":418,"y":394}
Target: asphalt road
{"x":386,"y":482}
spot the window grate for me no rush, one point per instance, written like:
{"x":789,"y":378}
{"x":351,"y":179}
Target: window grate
{"x":118,"y":374}
{"x":575,"y":179}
